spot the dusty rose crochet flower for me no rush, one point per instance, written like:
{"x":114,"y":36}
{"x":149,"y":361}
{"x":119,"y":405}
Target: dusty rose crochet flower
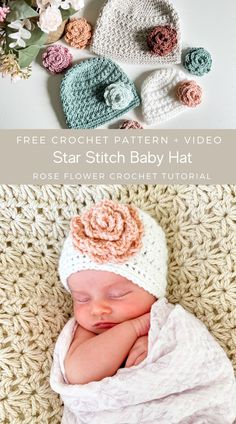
{"x":57,"y":58}
{"x":108,"y":232}
{"x":3,"y":13}
{"x":128,"y":124}
{"x":78,"y":33}
{"x":162,"y":40}
{"x":189,"y":93}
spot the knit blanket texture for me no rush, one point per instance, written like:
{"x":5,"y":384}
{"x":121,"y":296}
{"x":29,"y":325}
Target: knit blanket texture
{"x":185,"y":378}
{"x":200,"y":226}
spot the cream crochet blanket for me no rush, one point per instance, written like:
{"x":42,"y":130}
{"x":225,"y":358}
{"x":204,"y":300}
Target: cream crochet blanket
{"x":200,"y":226}
{"x":186,"y":378}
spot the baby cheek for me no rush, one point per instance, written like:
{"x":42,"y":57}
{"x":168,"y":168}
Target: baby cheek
{"x":79,"y":312}
{"x":131,"y":310}
{"x":139,"y":308}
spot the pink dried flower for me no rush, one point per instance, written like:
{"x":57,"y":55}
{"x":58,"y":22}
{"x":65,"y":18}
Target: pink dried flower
{"x":128,"y":124}
{"x":162,"y":40}
{"x":108,"y":232}
{"x":57,"y":58}
{"x":189,"y":93}
{"x":3,"y":13}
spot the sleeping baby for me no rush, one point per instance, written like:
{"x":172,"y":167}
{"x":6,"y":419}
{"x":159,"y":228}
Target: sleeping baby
{"x":128,"y":356}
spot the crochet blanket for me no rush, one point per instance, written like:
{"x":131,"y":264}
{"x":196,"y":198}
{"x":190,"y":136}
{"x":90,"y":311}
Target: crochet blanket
{"x":186,"y":378}
{"x":200,"y":226}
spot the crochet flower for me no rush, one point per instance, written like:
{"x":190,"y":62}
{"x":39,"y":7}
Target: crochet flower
{"x":3,"y":13}
{"x":127,"y":125}
{"x":56,"y":58}
{"x":108,"y":232}
{"x":198,"y":61}
{"x":189,"y":93}
{"x":118,"y":95}
{"x":78,"y":33}
{"x":162,"y":40}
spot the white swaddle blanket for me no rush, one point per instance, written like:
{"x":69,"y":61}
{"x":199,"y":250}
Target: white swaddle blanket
{"x":185,"y":379}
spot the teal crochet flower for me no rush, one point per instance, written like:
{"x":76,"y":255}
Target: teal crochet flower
{"x":198,"y":61}
{"x":118,"y":95}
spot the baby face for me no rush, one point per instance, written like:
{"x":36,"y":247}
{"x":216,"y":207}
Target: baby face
{"x":103,"y":299}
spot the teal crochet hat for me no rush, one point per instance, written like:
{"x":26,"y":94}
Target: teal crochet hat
{"x":96,"y":91}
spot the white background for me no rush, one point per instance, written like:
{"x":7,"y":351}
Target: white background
{"x":35,"y":103}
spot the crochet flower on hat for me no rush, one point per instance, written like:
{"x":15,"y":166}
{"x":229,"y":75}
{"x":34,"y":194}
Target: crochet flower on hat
{"x":162,"y":40}
{"x":108,"y":232}
{"x":189,"y":93}
{"x":118,"y":95}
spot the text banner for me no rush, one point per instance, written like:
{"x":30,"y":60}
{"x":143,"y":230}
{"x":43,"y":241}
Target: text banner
{"x":118,"y":157}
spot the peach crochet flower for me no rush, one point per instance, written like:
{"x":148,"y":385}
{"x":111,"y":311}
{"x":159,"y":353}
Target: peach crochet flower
{"x":78,"y":33}
{"x":189,"y":93}
{"x":108,"y":232}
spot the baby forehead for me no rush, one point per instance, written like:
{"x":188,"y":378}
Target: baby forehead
{"x":101,"y":279}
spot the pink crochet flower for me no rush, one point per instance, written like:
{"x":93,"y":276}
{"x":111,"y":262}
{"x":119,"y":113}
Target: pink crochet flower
{"x":108,"y":232}
{"x":189,"y":93}
{"x":57,"y":58}
{"x":162,"y":40}
{"x":134,"y":125}
{"x":3,"y":13}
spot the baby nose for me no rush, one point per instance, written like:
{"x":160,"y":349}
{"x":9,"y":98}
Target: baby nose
{"x":100,"y":307}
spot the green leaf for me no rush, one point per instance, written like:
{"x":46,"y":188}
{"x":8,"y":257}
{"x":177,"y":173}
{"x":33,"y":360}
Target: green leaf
{"x":67,"y":13}
{"x":20,"y":9}
{"x":38,"y":37}
{"x":27,"y":55}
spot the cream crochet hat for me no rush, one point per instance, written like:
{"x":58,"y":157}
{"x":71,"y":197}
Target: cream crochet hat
{"x":130,"y":31}
{"x":117,"y":238}
{"x":161,"y":99}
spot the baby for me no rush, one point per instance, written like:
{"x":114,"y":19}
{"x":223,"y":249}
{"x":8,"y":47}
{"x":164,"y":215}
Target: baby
{"x":127,"y":356}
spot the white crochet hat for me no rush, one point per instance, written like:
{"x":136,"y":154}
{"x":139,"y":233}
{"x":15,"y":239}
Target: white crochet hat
{"x":124,"y":26}
{"x":159,"y":95}
{"x":117,"y":238}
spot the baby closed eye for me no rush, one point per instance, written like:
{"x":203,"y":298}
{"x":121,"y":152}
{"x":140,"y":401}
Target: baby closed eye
{"x":82,"y":300}
{"x":111,"y":296}
{"x":119,"y":294}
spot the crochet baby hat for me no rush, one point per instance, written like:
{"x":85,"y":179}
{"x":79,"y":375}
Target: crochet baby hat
{"x":138,"y":31}
{"x":117,"y":238}
{"x":96,"y":91}
{"x":161,"y":98}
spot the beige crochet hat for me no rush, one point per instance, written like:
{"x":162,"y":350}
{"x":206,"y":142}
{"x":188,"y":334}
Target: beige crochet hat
{"x":117,"y":238}
{"x":138,"y":31}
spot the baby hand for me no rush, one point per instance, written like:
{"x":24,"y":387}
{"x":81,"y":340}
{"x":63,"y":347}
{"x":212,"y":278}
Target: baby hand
{"x":141,"y":324}
{"x":138,"y":352}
